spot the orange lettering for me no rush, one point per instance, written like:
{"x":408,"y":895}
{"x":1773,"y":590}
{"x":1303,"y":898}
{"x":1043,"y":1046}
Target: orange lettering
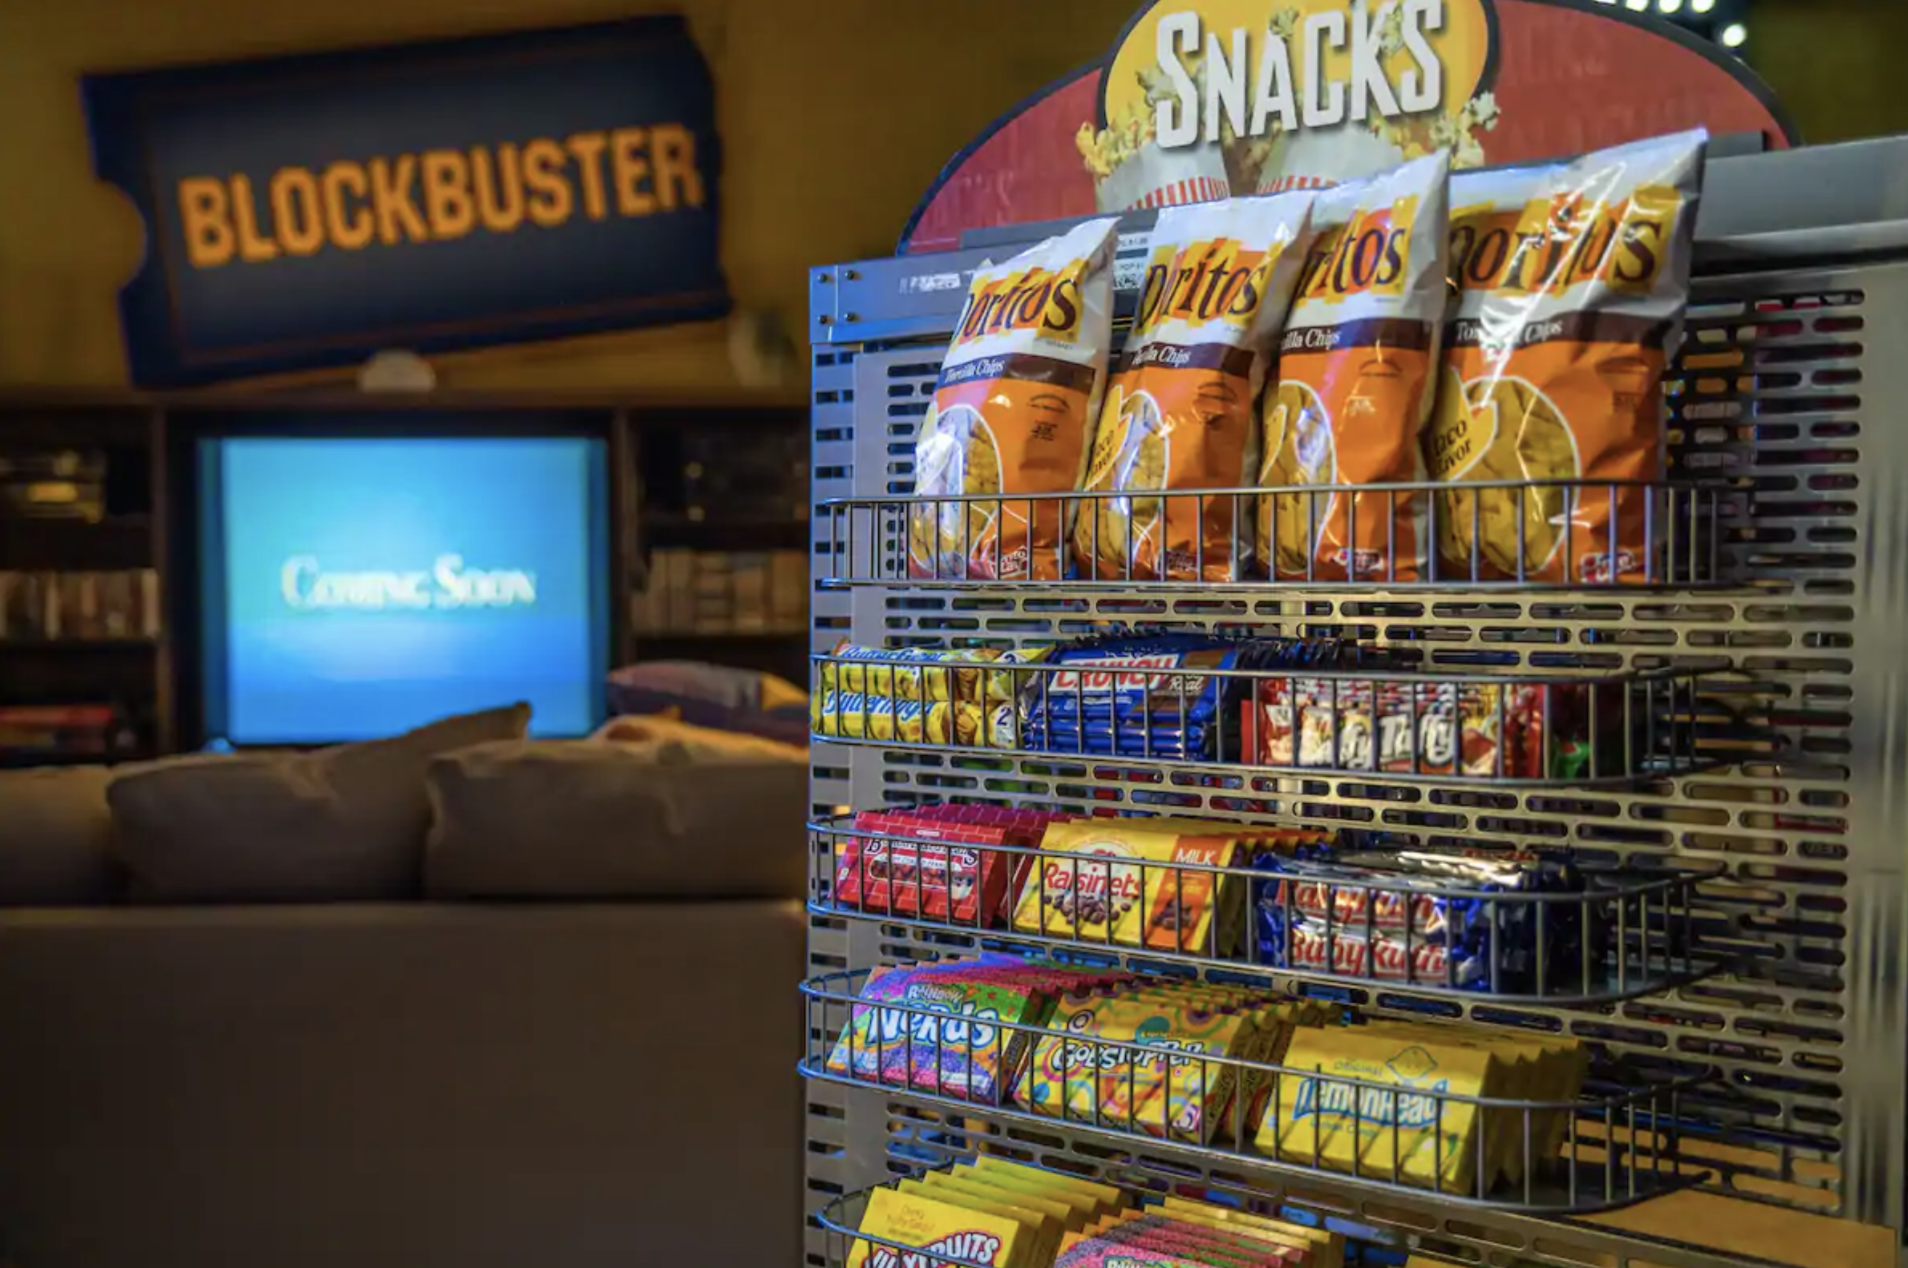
{"x":677,"y":180}
{"x":629,"y":163}
{"x":295,"y":212}
{"x":447,"y":199}
{"x":587,"y":147}
{"x":550,"y":198}
{"x":204,"y":217}
{"x":349,"y":227}
{"x":397,"y":214}
{"x":499,"y":196}
{"x":253,"y":247}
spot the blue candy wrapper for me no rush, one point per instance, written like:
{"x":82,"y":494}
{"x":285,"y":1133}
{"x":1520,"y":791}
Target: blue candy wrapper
{"x":1155,"y":696}
{"x":1433,"y":922}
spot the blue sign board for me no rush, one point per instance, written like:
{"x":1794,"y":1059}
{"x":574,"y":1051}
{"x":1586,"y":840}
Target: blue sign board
{"x":310,"y":211}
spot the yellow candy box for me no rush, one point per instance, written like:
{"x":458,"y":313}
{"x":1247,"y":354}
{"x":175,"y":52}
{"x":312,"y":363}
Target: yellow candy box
{"x":1430,"y":1138}
{"x":937,"y":1228}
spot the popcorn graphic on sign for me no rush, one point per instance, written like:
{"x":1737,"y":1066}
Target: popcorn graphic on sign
{"x":1322,"y":158}
{"x":1130,"y":168}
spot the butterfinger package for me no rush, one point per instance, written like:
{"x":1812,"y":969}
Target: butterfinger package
{"x":1016,"y":399}
{"x":1356,"y":370}
{"x":1573,"y":282}
{"x":1180,"y":411}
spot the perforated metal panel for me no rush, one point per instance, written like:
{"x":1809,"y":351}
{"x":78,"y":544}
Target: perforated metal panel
{"x":1790,"y":385}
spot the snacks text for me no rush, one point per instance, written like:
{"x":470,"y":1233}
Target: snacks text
{"x":1297,"y":82}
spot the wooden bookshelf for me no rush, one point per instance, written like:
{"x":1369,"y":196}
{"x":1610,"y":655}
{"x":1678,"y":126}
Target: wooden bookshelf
{"x":144,"y":436}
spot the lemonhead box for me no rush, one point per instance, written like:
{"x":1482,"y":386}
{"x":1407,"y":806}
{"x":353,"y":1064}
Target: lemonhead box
{"x":312,"y":210}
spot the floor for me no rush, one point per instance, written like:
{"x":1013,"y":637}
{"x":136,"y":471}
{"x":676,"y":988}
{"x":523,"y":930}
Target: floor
{"x":1759,"y":1232}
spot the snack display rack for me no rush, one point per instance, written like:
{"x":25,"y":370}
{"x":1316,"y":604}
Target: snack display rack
{"x":1739,"y":809}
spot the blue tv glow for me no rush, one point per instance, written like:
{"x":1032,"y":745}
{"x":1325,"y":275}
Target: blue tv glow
{"x":354,"y":588}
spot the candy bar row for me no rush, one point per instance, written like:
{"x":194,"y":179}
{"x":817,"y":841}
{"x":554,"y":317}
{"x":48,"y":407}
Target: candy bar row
{"x":1002,"y":1214}
{"x":1278,"y":703}
{"x":1318,"y":903}
{"x":1475,"y":1114}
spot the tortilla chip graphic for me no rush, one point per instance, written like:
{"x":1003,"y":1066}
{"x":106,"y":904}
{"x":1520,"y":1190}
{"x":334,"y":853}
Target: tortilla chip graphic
{"x":956,"y":454}
{"x":1121,"y":534}
{"x":1299,"y":451}
{"x":1532,"y":443}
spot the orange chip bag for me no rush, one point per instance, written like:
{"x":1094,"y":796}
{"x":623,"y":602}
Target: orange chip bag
{"x":1180,"y":410}
{"x":1355,"y":381}
{"x":1573,"y":281}
{"x":1018,"y":391}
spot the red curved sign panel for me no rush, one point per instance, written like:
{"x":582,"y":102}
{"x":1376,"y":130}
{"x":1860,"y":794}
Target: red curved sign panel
{"x":1201,"y":98}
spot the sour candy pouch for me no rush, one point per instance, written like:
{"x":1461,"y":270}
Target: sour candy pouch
{"x":1180,"y":409}
{"x":1573,"y":281}
{"x":1354,"y":388}
{"x":1018,"y":392}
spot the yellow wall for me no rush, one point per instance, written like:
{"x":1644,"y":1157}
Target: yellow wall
{"x":1835,"y":63}
{"x":836,"y":115}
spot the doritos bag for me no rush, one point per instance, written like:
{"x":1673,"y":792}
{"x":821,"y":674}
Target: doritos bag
{"x":1018,"y":391}
{"x":1573,"y":281}
{"x":1355,"y":378}
{"x":1181,"y":408}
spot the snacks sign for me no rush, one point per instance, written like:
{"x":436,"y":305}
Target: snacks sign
{"x":1201,"y":99}
{"x":311,"y":211}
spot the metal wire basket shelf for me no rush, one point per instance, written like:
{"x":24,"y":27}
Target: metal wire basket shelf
{"x":1617,"y":934}
{"x":1615,"y":1144}
{"x":1564,"y":729}
{"x":843,"y":1216}
{"x":1563,"y":535}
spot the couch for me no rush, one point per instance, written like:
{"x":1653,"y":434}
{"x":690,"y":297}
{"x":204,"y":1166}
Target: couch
{"x":570,"y":1040}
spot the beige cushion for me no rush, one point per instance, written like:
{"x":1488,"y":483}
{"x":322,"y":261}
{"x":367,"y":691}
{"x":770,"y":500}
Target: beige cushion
{"x":588,"y":819}
{"x":337,"y":823}
{"x":685,"y":742}
{"x":55,"y":831}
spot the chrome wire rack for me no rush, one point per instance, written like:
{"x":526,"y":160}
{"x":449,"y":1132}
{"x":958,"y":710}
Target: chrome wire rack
{"x":1617,"y":934}
{"x":1615,"y":1144}
{"x":1776,"y":550}
{"x":1555,"y":729}
{"x":1524,"y":534}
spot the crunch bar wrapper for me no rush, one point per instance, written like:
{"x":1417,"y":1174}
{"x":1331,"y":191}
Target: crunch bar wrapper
{"x":1356,"y":373}
{"x":1017,"y":395}
{"x":1180,"y":408}
{"x":1573,"y":284}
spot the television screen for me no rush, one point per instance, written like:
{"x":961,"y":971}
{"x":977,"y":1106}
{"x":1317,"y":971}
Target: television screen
{"x":357,"y":587}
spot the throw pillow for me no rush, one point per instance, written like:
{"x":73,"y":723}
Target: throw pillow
{"x":717,"y":696}
{"x":678,"y":741}
{"x":55,"y":830}
{"x":339,"y":823}
{"x":587,"y":819}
